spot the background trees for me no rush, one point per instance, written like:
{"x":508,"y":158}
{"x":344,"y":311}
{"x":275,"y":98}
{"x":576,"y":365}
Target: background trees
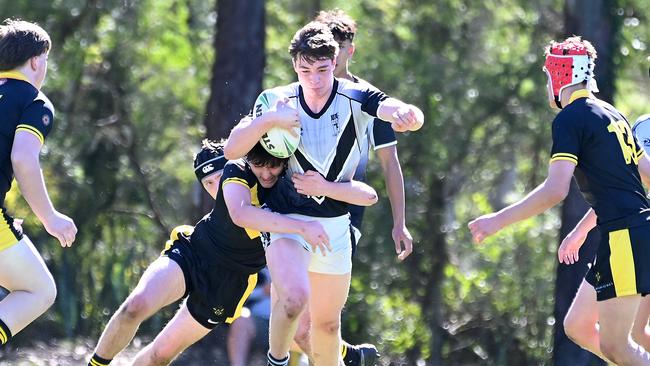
{"x":137,"y":84}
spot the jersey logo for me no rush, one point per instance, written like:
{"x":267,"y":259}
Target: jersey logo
{"x":335,"y":124}
{"x":46,"y":119}
{"x":625,"y":140}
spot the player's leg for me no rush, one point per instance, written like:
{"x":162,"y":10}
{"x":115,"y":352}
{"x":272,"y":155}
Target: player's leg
{"x":181,"y":332}
{"x":616,"y":317}
{"x":303,"y":333}
{"x":581,"y":321}
{"x":240,"y":337}
{"x":161,"y":284}
{"x":287,"y":261}
{"x":640,"y":329}
{"x":32,"y":288}
{"x":328,"y":296}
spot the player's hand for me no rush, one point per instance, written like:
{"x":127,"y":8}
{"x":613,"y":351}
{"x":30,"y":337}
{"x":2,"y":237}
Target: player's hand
{"x":286,"y":116}
{"x":310,"y":184}
{"x":484,"y":226}
{"x":61,"y":227}
{"x":568,"y":251}
{"x":316,"y":236}
{"x":403,"y":241}
{"x":407,"y":118}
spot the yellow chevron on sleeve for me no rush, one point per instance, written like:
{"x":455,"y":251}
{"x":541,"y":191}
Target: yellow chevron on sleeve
{"x":564,"y":156}
{"x":32,"y":130}
{"x":236,"y":180}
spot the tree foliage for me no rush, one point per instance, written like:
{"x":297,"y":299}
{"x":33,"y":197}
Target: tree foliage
{"x":131,"y":81}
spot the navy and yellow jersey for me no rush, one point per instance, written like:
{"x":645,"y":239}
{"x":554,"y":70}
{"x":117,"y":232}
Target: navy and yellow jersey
{"x":234,"y":247}
{"x":597,"y":138}
{"x":22,"y":108}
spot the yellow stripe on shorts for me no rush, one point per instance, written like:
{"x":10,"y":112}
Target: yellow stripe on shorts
{"x":252,"y":281}
{"x":173,"y":236}
{"x":621,"y":261}
{"x":7,"y":236}
{"x":3,"y":336}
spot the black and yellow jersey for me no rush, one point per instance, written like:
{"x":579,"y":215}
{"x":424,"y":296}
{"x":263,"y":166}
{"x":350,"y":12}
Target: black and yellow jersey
{"x":234,"y":247}
{"x":598,"y":139}
{"x":22,"y":108}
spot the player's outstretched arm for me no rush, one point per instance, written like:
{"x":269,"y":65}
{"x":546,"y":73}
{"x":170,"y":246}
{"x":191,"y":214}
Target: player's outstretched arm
{"x":250,"y":129}
{"x":403,"y":117}
{"x":244,"y":214}
{"x":27,"y":168}
{"x":395,"y":188}
{"x":546,"y":195}
{"x":569,"y":249}
{"x":313,"y":184}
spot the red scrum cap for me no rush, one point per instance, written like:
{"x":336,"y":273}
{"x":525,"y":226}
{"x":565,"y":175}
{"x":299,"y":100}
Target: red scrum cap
{"x":568,"y":63}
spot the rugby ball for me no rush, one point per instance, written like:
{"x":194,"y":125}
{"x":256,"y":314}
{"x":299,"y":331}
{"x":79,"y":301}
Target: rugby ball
{"x":641,"y":131}
{"x":279,"y":142}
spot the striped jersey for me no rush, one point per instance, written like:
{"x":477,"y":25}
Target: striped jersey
{"x":331,"y":143}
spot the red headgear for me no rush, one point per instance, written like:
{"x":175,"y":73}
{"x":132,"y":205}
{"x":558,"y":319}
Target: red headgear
{"x":567,"y":63}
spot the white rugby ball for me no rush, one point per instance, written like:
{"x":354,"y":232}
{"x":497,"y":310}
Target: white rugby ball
{"x":279,"y":142}
{"x":641,"y":130}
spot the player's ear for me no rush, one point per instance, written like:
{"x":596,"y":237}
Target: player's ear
{"x":33,"y":63}
{"x":351,"y":49}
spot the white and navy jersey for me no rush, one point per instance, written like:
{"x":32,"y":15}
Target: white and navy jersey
{"x":380,"y":135}
{"x":330,"y":142}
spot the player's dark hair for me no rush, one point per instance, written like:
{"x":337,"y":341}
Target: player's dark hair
{"x":342,"y":26}
{"x":20,"y":41}
{"x":313,"y":42}
{"x":258,"y":156}
{"x":210,"y":159}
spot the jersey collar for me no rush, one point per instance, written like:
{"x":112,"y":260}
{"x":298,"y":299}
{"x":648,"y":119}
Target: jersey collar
{"x":582,"y":93}
{"x":14,"y":75}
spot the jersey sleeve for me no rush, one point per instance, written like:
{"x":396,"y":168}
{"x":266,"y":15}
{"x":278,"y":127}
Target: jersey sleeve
{"x":369,"y":97}
{"x":37,"y":118}
{"x":567,"y":139}
{"x":236,"y":172}
{"x":382,"y":134}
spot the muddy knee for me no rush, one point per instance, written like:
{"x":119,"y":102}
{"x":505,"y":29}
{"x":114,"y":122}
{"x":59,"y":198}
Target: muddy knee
{"x":135,"y":308}
{"x":295,"y":303}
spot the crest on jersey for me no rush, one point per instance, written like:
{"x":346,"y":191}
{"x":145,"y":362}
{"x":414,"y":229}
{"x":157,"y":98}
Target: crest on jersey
{"x":336,"y":128}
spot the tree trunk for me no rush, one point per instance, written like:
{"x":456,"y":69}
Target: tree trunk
{"x":238,"y":67}
{"x":596,"y":22}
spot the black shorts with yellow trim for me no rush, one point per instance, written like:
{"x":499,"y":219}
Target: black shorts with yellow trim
{"x":9,"y":234}
{"x":215,"y":294}
{"x":622,"y":266}
{"x":178,"y":249}
{"x":221,"y":296}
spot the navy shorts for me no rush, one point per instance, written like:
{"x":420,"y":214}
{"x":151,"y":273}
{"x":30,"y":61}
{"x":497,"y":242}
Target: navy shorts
{"x":215,"y":294}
